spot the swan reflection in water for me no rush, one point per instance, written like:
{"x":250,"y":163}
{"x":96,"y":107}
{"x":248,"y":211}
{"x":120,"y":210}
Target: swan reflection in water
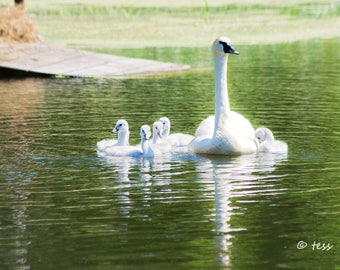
{"x":232,"y":177}
{"x":225,"y":177}
{"x":129,"y":172}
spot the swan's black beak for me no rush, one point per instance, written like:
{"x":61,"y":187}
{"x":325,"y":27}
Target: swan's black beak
{"x":227,"y":48}
{"x":235,"y":52}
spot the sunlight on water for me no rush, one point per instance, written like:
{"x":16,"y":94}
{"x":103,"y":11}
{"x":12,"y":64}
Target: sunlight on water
{"x":58,"y":199}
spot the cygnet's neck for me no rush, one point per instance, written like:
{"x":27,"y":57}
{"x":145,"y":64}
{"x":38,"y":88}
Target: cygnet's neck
{"x":156,"y":139}
{"x":146,"y":148}
{"x":123,"y":138}
{"x":144,"y":143}
{"x":165,"y":133}
{"x":222,"y":107}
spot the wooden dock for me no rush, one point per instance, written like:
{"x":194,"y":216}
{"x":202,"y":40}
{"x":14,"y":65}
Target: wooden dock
{"x":50,"y":60}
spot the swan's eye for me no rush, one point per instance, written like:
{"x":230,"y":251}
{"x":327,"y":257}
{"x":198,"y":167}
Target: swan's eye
{"x":226,"y":46}
{"x":120,"y":125}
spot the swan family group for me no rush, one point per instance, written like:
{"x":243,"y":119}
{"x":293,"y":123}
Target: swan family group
{"x":227,"y":132}
{"x":160,"y":143}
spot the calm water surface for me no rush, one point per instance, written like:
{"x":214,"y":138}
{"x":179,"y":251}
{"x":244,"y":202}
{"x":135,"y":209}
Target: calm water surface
{"x":62,"y":207}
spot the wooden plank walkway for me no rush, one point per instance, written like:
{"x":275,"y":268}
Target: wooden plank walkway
{"x":47,"y":59}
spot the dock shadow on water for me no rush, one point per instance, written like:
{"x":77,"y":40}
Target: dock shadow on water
{"x":63,"y":207}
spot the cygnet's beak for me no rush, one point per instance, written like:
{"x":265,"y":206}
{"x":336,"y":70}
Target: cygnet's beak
{"x":159,"y":134}
{"x":115,"y":130}
{"x":144,"y":135}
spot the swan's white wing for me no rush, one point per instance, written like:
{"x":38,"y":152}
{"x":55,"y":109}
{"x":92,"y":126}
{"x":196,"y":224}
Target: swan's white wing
{"x":206,"y":127}
{"x":241,"y":133}
{"x":200,"y":145}
{"x":237,"y":136}
{"x":241,"y":125}
{"x":236,"y":123}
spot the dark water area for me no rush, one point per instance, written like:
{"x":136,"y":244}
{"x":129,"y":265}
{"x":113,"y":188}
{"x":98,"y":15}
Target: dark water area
{"x":63,"y":207}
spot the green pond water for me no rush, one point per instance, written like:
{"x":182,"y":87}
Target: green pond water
{"x":63,"y":207}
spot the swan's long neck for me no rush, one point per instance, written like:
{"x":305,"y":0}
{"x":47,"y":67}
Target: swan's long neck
{"x":222,"y":107}
{"x":123,"y":138}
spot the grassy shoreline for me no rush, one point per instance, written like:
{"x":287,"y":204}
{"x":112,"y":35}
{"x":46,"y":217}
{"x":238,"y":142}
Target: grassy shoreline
{"x":120,"y":24}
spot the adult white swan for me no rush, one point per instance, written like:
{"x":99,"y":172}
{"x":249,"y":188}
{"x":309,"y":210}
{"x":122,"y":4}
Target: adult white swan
{"x":176,"y":139}
{"x":228,"y":132}
{"x":267,"y":142}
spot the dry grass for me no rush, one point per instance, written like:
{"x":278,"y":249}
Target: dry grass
{"x":16,"y":26}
